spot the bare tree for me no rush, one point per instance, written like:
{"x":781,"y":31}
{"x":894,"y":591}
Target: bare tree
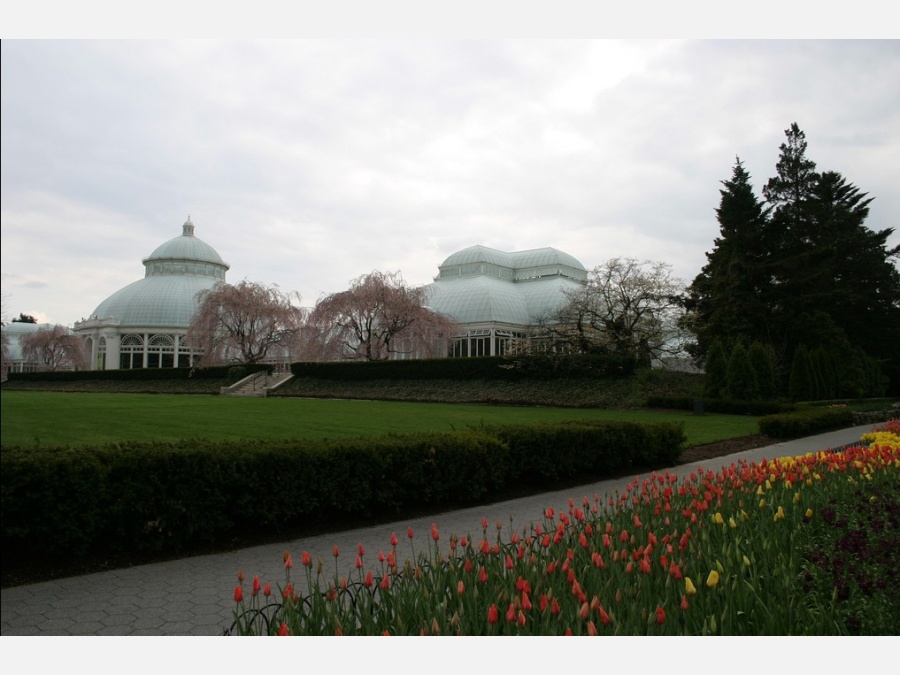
{"x":54,"y":348}
{"x":628,"y":308}
{"x":378,"y":317}
{"x":244,"y":322}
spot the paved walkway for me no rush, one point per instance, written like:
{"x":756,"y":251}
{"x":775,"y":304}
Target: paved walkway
{"x":193,"y":596}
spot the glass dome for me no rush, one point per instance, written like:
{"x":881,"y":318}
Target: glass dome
{"x":166,"y":297}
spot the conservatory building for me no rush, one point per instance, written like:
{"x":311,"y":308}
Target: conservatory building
{"x":143,"y":325}
{"x":495,"y":297}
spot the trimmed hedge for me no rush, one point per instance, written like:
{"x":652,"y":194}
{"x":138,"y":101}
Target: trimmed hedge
{"x":178,"y":497}
{"x":805,"y":421}
{"x":720,"y":405}
{"x":477,"y":368}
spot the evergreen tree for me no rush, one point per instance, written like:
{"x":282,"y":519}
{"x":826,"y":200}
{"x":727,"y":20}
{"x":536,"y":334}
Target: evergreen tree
{"x":727,"y":300}
{"x":802,"y":382}
{"x":801,"y":268}
{"x":716,"y":369}
{"x":763,"y":368}
{"x":741,"y":380}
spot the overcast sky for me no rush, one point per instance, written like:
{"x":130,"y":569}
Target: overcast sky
{"x":308,"y":163}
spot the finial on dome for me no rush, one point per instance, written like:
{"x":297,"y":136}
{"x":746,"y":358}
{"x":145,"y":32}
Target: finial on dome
{"x":188,"y":227}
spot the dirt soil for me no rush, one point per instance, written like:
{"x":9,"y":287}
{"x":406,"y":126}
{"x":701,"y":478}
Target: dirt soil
{"x":19,"y":572}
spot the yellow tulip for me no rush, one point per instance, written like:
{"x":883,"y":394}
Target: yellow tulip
{"x":808,"y":514}
{"x":746,"y":561}
{"x":779,"y":514}
{"x":718,"y":520}
{"x":712,"y":580}
{"x":689,"y":588}
{"x":731,"y":523}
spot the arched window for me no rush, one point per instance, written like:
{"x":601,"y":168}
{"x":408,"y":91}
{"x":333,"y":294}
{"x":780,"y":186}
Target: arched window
{"x":131,"y":352}
{"x":161,"y":352}
{"x":101,"y":354}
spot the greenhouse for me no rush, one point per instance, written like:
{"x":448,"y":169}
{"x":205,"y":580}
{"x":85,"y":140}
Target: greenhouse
{"x":495,"y":296}
{"x":144,"y":324}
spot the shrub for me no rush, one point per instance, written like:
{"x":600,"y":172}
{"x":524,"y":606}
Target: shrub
{"x":805,"y":422}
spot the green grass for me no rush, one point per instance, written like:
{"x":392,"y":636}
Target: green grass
{"x":53,"y":418}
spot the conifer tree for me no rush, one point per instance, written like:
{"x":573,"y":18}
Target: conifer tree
{"x":763,"y":368}
{"x":716,"y":369}
{"x":741,"y":380}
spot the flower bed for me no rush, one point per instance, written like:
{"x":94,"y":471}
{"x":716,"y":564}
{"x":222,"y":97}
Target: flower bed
{"x":756,"y":549}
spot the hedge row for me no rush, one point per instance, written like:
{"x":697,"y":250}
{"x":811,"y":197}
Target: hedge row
{"x":175,"y":498}
{"x":720,"y":405}
{"x":485,"y":367}
{"x":806,"y":421}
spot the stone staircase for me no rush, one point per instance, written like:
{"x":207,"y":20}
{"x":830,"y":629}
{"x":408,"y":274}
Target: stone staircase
{"x":257,"y":385}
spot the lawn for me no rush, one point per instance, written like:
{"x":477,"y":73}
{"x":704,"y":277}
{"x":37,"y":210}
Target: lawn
{"x":54,"y":418}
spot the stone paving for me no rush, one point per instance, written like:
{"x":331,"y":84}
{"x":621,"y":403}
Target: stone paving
{"x":193,"y":596}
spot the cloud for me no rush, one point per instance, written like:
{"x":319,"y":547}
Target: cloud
{"x":309,"y":163}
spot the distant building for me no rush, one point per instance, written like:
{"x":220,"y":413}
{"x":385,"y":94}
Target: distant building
{"x":496,"y":296}
{"x":14,"y":360}
{"x":143,"y":325}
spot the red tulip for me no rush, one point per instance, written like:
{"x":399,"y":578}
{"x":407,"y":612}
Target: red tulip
{"x":482,"y":575}
{"x":591,"y":628}
{"x":256,"y":586}
{"x":288,"y":561}
{"x":660,"y":616}
{"x":284,"y":630}
{"x":358,"y":563}
{"x":334,"y":551}
{"x":360,"y":550}
{"x":604,"y":617}
{"x":305,"y":559}
{"x":393,"y":538}
{"x":267,"y":589}
{"x":493,"y":614}
{"x":368,"y":581}
{"x":511,"y":613}
{"x":434,"y":532}
{"x":409,"y":532}
{"x":460,"y":588}
{"x":241,"y":576}
{"x":238,"y":594}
